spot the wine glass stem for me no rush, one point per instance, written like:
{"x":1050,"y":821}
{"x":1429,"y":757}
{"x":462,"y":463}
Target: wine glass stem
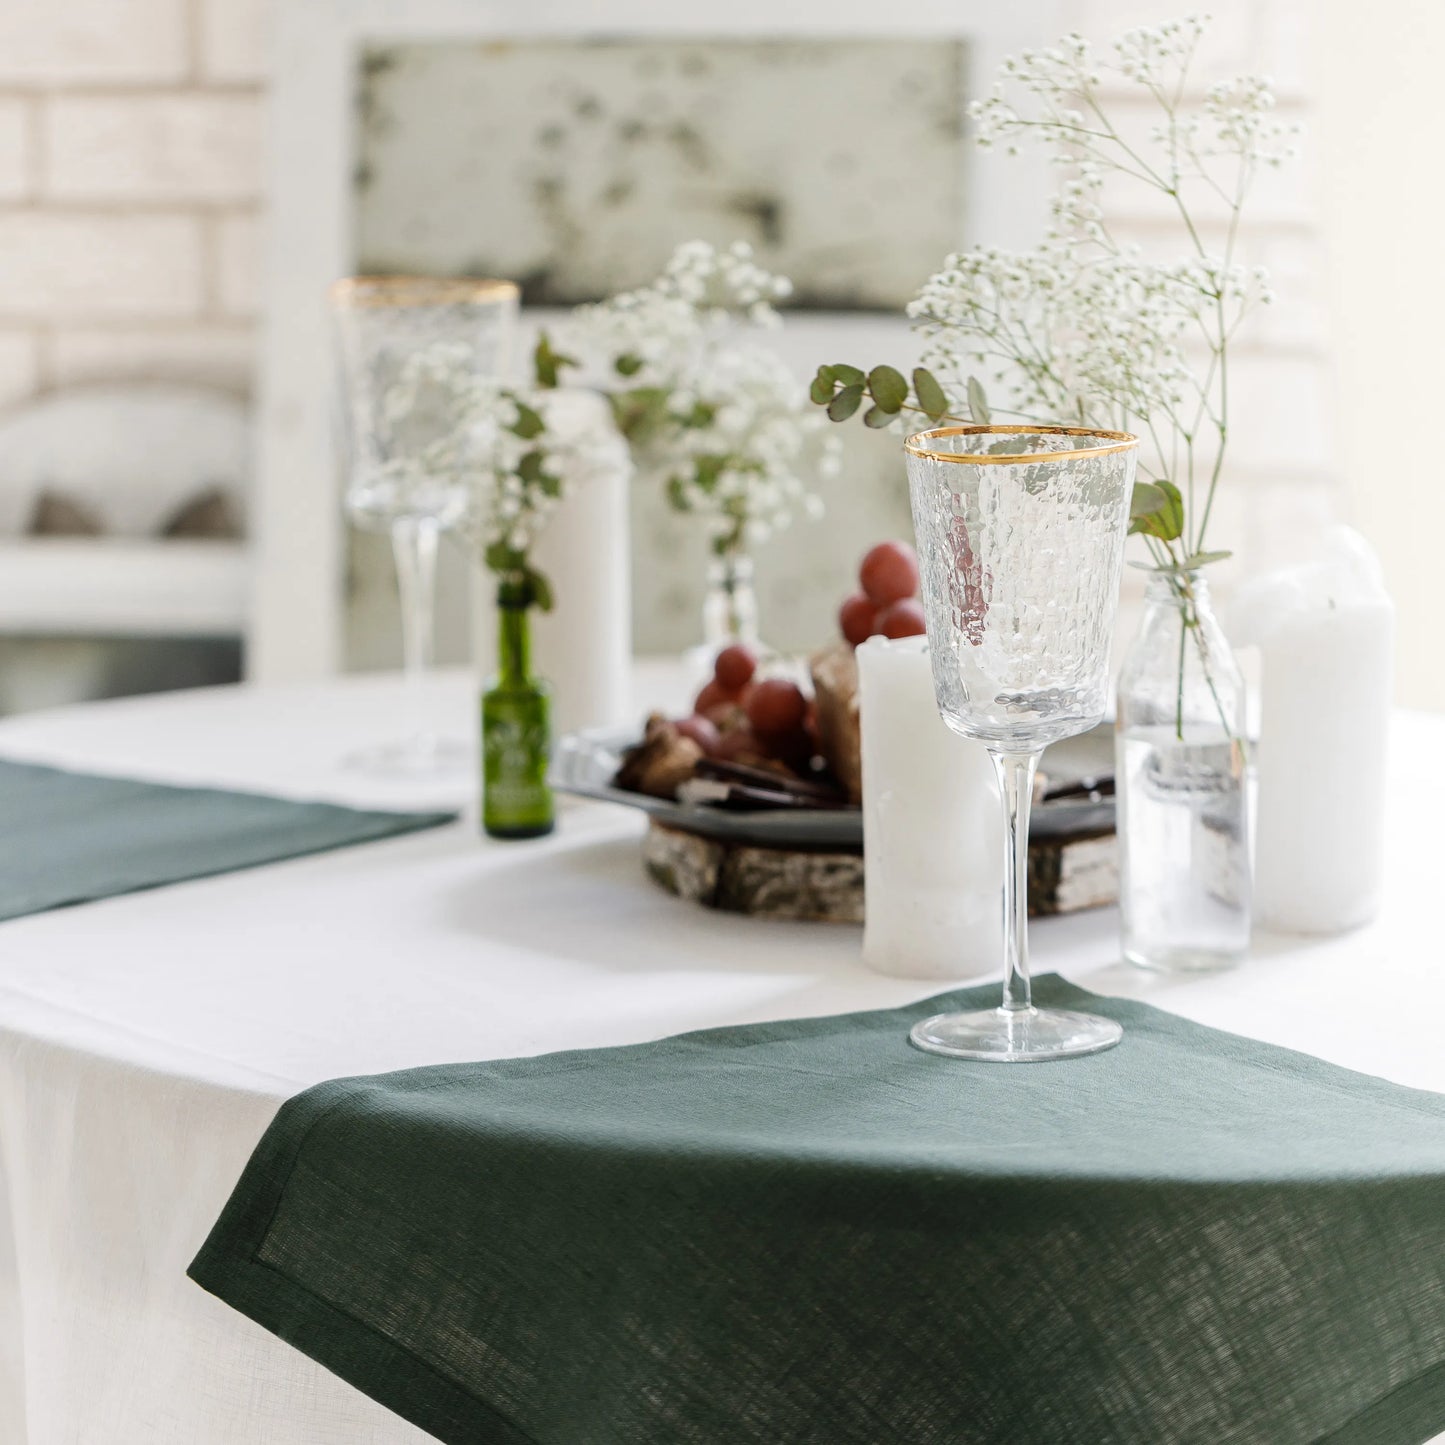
{"x":1015,"y":772}
{"x":414,"y":548}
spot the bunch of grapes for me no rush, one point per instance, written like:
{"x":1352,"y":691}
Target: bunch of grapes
{"x":740,"y":717}
{"x":886,"y":603}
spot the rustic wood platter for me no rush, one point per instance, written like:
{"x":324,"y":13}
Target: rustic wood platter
{"x":808,"y":863}
{"x":826,"y":885}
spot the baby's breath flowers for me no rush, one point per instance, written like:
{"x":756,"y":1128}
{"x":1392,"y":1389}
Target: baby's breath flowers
{"x":1083,"y":329}
{"x":496,"y":447}
{"x":711,"y":414}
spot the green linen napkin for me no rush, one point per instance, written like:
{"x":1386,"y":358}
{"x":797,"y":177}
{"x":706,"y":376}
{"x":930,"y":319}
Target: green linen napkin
{"x":807,"y":1233}
{"x":71,"y":837}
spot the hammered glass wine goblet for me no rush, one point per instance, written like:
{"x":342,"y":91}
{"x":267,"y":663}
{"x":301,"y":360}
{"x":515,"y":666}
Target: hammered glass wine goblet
{"x":1020,"y":535}
{"x":396,"y":427}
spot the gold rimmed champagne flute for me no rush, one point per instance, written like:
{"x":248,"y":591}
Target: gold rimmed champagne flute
{"x":1020,"y":534}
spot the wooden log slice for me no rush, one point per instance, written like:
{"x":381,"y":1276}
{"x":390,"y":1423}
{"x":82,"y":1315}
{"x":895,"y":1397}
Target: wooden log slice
{"x":765,"y":882}
{"x":1065,"y":875}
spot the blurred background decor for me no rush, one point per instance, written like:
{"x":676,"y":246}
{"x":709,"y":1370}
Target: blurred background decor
{"x":417,"y":354}
{"x":717,"y":422}
{"x":122,"y":553}
{"x":147,"y":225}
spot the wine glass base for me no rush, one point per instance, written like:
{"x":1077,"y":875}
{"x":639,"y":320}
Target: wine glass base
{"x":414,"y":758}
{"x":1015,"y":1036}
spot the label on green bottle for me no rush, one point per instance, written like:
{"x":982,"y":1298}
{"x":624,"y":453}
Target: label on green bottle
{"x":516,"y":744}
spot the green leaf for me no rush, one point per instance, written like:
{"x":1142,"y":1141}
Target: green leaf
{"x":701,"y":415}
{"x":930,"y":394}
{"x":709,"y":469}
{"x":529,"y":468}
{"x":876,"y":417}
{"x":541,"y":590}
{"x":977,"y":402}
{"x":1147,"y":498}
{"x":547,"y":364}
{"x":821,"y":391}
{"x":846,"y":402}
{"x":628,"y":365}
{"x":1203,"y":559}
{"x":528,"y":424}
{"x":848,"y":375}
{"x":639,"y":412}
{"x":499,"y":557}
{"x":1165,"y":522}
{"x":888,"y":388}
{"x":551,"y":486}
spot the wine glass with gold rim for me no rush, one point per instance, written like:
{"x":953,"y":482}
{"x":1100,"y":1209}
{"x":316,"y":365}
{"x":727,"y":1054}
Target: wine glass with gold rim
{"x":395,"y":434}
{"x":1020,"y":534}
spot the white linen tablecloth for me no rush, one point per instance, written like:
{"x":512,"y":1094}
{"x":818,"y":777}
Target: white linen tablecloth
{"x":146,"y":1041}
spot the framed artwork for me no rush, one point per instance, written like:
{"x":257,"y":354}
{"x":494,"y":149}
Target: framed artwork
{"x":575,"y":166}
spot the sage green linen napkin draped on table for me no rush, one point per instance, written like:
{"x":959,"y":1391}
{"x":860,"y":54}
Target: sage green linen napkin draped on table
{"x":70,"y":837}
{"x":807,"y":1233}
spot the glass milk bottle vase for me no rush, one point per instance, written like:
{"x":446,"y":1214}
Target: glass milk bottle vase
{"x":516,"y":730}
{"x":1183,"y":798}
{"x":730,"y":605}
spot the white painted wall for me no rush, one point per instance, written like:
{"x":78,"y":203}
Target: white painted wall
{"x":1377,"y":74}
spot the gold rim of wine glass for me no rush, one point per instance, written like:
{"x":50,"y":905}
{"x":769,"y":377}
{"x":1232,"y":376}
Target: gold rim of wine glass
{"x":389,"y":290}
{"x":1115,"y":441}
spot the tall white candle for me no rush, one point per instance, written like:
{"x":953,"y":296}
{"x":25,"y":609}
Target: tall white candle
{"x":1325,"y":632}
{"x":583,"y":647}
{"x":932,"y":826}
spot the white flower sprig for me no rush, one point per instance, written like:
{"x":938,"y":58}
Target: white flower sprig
{"x":1135,"y":343}
{"x":716,"y":418}
{"x":1082,"y":328}
{"x":490,"y":442}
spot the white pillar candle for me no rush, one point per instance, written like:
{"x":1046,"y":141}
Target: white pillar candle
{"x":1325,"y":632}
{"x":583,"y":647}
{"x":932,"y":826}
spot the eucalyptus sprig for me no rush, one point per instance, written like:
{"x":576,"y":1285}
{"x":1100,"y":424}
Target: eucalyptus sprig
{"x":1156,"y":509}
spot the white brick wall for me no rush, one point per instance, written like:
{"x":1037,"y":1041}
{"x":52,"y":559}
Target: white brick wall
{"x":234,"y":36}
{"x":81,"y":42}
{"x":130,"y":186}
{"x":60,"y":266}
{"x":17,"y":148}
{"x":219,"y":355}
{"x":191,"y":147}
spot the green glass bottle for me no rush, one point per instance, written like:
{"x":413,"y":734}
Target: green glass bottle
{"x":516,"y":729}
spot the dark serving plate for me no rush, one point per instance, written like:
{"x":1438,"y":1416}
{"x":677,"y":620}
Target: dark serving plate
{"x":585,"y":763}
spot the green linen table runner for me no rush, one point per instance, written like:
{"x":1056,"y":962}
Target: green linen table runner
{"x":72,"y":837}
{"x":807,"y":1233}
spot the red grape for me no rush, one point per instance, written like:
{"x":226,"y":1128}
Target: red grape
{"x":889,"y":573}
{"x":713,"y":695}
{"x":902,"y":619}
{"x":734,"y":667}
{"x":701,"y":731}
{"x":855,"y":618}
{"x":776,"y":706}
